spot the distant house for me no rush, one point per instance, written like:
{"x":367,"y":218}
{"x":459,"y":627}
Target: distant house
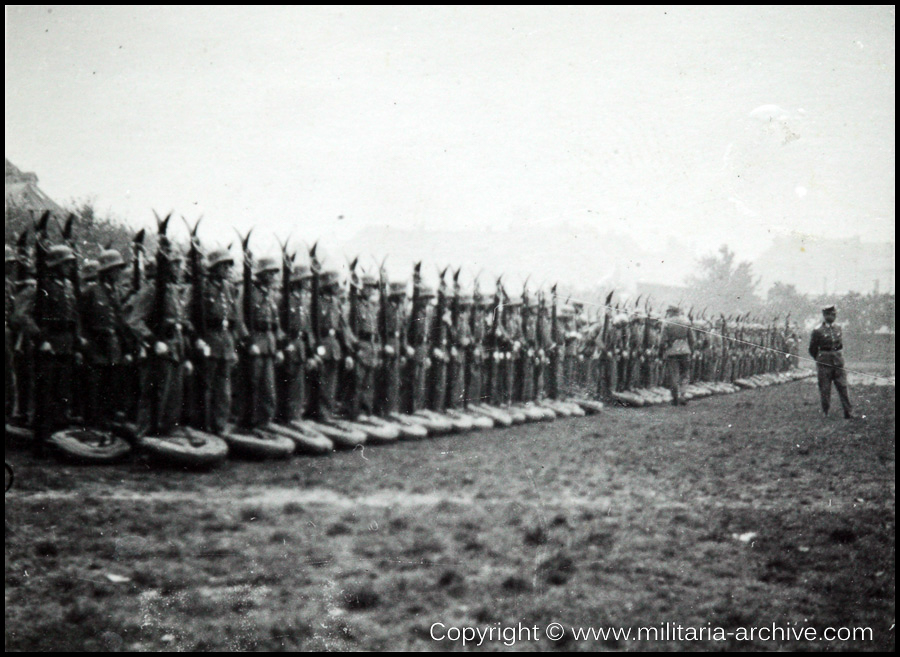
{"x":23,"y":192}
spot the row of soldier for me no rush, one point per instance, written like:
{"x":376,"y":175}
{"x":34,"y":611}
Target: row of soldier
{"x":158,"y":342}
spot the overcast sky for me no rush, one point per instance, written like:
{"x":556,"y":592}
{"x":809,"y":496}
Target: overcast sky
{"x":708,"y":124}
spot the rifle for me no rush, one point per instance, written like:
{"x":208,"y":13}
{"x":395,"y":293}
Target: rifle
{"x":284,"y":302}
{"x":604,"y":333}
{"x":21,"y":255}
{"x":42,"y":419}
{"x":137,"y":267}
{"x":248,"y":387}
{"x":496,"y":324}
{"x":415,"y":331}
{"x":353,"y":297}
{"x":157,"y":314}
{"x":197,"y":399}
{"x":68,"y":234}
{"x":384,"y":305}
{"x":315,"y":270}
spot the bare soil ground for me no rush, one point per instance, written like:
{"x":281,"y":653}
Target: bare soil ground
{"x":737,"y":511}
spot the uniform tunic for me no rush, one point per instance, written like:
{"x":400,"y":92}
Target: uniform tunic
{"x":676,"y":344}
{"x":161,"y":408}
{"x":826,"y":346}
{"x":223,"y":328}
{"x":109,"y":341}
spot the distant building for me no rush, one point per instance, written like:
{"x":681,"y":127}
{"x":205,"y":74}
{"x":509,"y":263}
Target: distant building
{"x":23,"y":192}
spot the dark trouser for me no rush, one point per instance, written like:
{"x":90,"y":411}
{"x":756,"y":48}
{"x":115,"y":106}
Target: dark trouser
{"x":607,"y":377}
{"x":540,"y":379}
{"x":53,"y":395}
{"x":554,"y":381}
{"x":437,"y":385}
{"x":103,"y":397}
{"x":217,"y":384}
{"x":830,"y":369}
{"x":291,"y":388}
{"x":262,"y":390}
{"x":570,"y":376}
{"x":456,"y":382}
{"x":390,"y":385}
{"x":525,"y":382}
{"x":365,"y":389}
{"x":10,"y":400}
{"x":419,"y":385}
{"x":474,"y":381}
{"x":162,"y":396}
{"x":678,"y":370}
{"x":326,"y":379}
{"x":24,"y":365}
{"x":495,"y":384}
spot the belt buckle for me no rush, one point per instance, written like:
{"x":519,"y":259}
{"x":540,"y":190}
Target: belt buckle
{"x":225,"y":324}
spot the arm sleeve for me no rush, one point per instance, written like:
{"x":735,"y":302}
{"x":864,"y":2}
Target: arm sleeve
{"x":814,"y":344}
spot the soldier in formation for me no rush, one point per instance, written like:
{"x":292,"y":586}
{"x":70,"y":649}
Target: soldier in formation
{"x":287,"y":341}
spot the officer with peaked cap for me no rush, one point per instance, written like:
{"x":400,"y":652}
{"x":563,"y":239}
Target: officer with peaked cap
{"x":109,"y":341}
{"x":826,"y":346}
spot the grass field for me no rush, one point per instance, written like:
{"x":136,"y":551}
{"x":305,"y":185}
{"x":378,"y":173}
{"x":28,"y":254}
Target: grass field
{"x":737,"y":511}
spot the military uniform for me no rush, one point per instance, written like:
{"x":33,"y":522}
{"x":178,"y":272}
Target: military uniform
{"x":439,"y":322}
{"x":223,"y":328}
{"x":9,"y":308}
{"x":332,"y":328}
{"x":368,"y":347}
{"x":676,"y":346}
{"x":293,"y":392}
{"x":164,"y":332}
{"x":394,"y":350}
{"x":528,"y":353}
{"x":475,"y":352}
{"x":109,"y":345}
{"x":57,"y":334}
{"x":262,"y":348}
{"x":543,"y":343}
{"x":24,"y":332}
{"x":460,"y":339}
{"x":416,"y":382}
{"x":826,"y":346}
{"x":512,"y":320}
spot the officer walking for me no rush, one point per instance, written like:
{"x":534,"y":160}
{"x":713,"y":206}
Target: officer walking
{"x":676,"y":346}
{"x":826,"y":346}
